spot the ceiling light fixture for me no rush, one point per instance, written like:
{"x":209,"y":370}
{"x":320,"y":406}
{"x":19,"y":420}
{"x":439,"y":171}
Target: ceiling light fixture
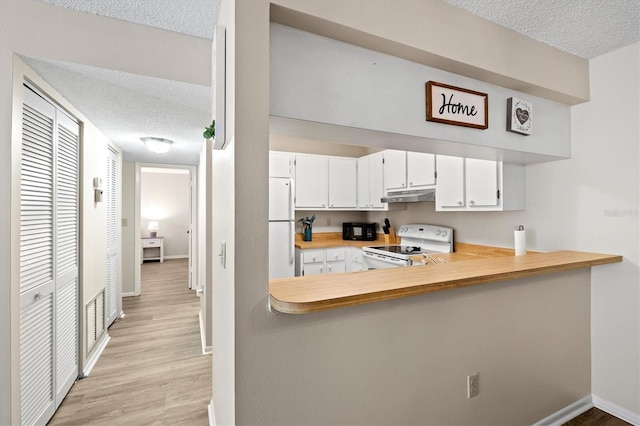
{"x":157,"y":145}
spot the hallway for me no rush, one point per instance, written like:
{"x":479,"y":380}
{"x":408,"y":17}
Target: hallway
{"x":153,"y":370}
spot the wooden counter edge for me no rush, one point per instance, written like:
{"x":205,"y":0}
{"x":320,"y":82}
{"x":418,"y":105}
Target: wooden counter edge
{"x":325,"y":304}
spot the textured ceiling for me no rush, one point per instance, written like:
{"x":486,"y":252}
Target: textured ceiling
{"x":126,"y":107}
{"x":586,"y":28}
{"x":191,"y":17}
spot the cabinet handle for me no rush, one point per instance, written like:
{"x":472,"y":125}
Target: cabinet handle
{"x":323,"y":205}
{"x":471,"y":202}
{"x":329,"y":268}
{"x":314,"y":258}
{"x":37,"y":296}
{"x":331,"y":204}
{"x":321,"y":270}
{"x":459,"y":203}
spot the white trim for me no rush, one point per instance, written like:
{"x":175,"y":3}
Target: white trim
{"x":93,"y":358}
{"x":129,"y":294}
{"x":567,"y":413}
{"x":205,"y":349}
{"x":616,"y":410}
{"x":177,"y":256}
{"x":212,"y":414}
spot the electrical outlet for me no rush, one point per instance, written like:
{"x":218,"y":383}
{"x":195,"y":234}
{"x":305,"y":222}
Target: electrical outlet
{"x":473,"y":385}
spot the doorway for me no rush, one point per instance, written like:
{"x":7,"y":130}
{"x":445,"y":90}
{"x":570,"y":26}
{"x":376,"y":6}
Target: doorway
{"x":165,"y":208}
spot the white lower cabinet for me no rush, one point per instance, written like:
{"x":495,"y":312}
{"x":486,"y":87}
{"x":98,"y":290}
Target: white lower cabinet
{"x":467,"y":184}
{"x":355,"y":260}
{"x":322,"y":261}
{"x":336,"y":260}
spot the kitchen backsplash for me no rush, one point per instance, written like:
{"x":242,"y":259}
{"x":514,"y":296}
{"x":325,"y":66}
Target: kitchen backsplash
{"x":329,"y":221}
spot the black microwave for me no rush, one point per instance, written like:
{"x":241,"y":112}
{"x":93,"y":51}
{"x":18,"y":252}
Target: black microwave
{"x":359,"y":231}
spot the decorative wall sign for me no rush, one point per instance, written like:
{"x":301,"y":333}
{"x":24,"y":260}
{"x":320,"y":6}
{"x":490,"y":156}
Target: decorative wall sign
{"x":519,"y":116}
{"x":454,"y":105}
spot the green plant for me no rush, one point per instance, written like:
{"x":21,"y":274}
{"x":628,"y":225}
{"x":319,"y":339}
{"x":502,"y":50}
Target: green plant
{"x":210,"y":131}
{"x":307,"y":221}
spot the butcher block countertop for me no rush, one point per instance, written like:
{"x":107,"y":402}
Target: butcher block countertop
{"x":323,"y":240}
{"x":469,"y":265}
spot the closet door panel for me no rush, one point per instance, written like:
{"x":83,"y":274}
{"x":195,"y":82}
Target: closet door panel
{"x":37,"y":196}
{"x":66,"y":255}
{"x":112,"y":293}
{"x":36,"y":361}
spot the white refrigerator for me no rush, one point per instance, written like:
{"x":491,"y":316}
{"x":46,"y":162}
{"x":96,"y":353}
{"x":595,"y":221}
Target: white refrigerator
{"x":281,"y":228}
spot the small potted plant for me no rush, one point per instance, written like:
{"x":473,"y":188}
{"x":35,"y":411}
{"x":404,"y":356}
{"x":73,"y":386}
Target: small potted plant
{"x":210,"y":131}
{"x":306,"y":227}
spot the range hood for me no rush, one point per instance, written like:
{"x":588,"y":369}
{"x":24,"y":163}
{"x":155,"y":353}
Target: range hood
{"x":410,"y":196}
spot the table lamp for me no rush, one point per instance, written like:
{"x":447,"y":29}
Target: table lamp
{"x":153,"y":228}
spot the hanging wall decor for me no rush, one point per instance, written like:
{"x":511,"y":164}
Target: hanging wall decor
{"x":457,"y":106}
{"x":519,"y":116}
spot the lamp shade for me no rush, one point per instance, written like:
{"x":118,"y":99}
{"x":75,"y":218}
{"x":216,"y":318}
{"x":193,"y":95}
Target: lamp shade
{"x":153,"y":228}
{"x":157,"y":145}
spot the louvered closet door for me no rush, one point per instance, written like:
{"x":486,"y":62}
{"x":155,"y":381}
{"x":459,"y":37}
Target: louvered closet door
{"x":48,"y":258}
{"x":112,"y":237}
{"x":36,"y":261}
{"x":66,"y":293}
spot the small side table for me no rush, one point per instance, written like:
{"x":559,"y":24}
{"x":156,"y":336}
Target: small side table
{"x":152,"y":243}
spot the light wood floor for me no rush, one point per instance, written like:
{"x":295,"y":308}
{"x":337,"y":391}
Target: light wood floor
{"x":153,"y":370}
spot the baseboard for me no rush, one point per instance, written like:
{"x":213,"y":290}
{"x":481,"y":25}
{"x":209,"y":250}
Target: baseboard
{"x":95,"y":355}
{"x":616,"y":410}
{"x":567,"y":413}
{"x":212,"y":416}
{"x":177,"y":256}
{"x":205,"y":349}
{"x":129,"y":294}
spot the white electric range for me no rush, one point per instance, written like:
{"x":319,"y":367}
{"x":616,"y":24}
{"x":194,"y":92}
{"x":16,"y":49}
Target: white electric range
{"x":415,"y":239}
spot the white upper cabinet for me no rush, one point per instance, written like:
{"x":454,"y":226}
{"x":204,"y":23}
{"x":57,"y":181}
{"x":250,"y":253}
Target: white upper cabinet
{"x":280,"y":164}
{"x":470,"y":184}
{"x":421,"y":170}
{"x":395,"y":170}
{"x":342,"y":182}
{"x":450,"y":184}
{"x":371,"y":182}
{"x":408,"y":170}
{"x":481,"y":183}
{"x":311,"y":181}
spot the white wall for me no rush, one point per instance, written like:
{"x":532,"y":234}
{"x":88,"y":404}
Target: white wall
{"x":128,"y":235}
{"x":43,"y":31}
{"x":330,"y":367}
{"x":588,"y":203}
{"x":165,"y":198}
{"x":352,"y":87}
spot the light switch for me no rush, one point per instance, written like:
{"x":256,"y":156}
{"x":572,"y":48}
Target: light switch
{"x":223,"y":254}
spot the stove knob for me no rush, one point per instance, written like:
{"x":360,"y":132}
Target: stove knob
{"x":444,"y":233}
{"x":438,"y":232}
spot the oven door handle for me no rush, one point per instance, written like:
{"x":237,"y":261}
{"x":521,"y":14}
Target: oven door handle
{"x":397,"y":262}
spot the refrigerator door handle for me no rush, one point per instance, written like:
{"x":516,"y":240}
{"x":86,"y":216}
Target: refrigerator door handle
{"x":292,"y":238}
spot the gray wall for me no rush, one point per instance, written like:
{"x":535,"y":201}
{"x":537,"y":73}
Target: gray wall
{"x":344,"y":365}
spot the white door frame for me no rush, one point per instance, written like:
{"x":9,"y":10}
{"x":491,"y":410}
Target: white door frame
{"x":193,"y":231}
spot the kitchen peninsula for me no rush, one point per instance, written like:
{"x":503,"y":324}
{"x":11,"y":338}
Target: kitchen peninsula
{"x":470,"y":265}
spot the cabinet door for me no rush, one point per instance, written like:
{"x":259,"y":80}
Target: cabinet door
{"x":342,"y":183}
{"x":450,"y":183}
{"x":279,"y":164}
{"x":313,"y":269}
{"x":421,"y":169}
{"x":376,"y":181}
{"x":395,"y":170}
{"x":481,"y":182}
{"x":311,"y":181}
{"x":363,"y":183}
{"x":336,"y":267}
